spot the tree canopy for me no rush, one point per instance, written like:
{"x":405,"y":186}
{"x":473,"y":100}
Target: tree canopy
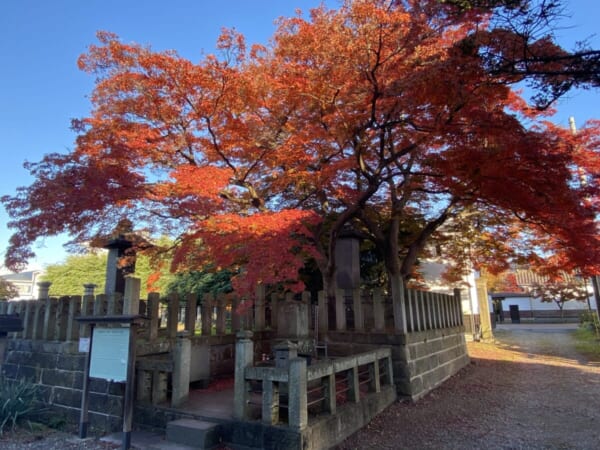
{"x":68,"y":277}
{"x":396,"y":116}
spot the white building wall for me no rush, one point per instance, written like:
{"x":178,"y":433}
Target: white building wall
{"x":535,"y":304}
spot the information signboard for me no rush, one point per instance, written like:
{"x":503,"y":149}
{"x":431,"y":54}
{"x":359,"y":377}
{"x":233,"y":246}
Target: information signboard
{"x":110,"y":353}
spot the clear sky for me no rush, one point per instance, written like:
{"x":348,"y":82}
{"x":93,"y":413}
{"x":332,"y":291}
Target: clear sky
{"x":41,"y":89}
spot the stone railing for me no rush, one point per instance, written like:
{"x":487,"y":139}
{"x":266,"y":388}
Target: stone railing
{"x":318,"y":388}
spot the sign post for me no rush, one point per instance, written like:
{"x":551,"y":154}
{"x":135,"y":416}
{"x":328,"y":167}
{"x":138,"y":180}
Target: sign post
{"x":110,"y":356}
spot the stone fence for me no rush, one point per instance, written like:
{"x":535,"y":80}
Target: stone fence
{"x":415,"y":311}
{"x":322,"y":402}
{"x":54,"y":319}
{"x":186,"y":339}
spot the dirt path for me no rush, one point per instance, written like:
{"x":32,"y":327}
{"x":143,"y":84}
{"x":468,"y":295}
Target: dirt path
{"x":531,"y":390}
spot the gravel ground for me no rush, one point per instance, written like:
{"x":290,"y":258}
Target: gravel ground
{"x":528,"y":390}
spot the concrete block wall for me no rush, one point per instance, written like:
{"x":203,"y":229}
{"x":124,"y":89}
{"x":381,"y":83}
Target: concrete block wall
{"x":58,"y":369}
{"x":421,"y":360}
{"x":432,"y":357}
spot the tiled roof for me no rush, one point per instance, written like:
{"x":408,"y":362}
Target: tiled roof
{"x":526,"y":277}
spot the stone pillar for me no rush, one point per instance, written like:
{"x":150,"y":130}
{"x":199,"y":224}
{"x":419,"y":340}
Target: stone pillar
{"x":378,"y":310}
{"x":88,"y":289}
{"x":359,"y":317}
{"x":152,"y":313}
{"x":44,"y":290}
{"x":398,"y":304}
{"x":72,"y":325}
{"x":181,"y":371}
{"x":294,"y":316}
{"x":297,"y":394}
{"x":274,"y":310}
{"x":115,"y":275}
{"x":244,"y":357}
{"x":221,"y":304}
{"x":100,"y":305}
{"x":485,"y":319}
{"x":87,"y":309}
{"x":340,"y":310}
{"x":270,"y":402}
{"x":347,"y":260}
{"x":62,"y":318}
{"x":284,"y":353}
{"x":191,"y":312}
{"x":172,"y":315}
{"x":131,"y":298}
{"x":323,"y":313}
{"x":259,"y":308}
{"x":49,"y":320}
{"x":38,"y":320}
{"x":207,"y":313}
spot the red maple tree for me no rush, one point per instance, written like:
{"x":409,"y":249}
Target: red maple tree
{"x":384,"y":114}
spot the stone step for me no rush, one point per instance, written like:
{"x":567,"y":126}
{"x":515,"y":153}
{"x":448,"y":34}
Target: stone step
{"x":196,"y":434}
{"x":166,"y":445}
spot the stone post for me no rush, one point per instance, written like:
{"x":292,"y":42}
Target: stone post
{"x":347,"y":260}
{"x":259,"y":308}
{"x":284,"y":353}
{"x":378,"y":310}
{"x":131,"y":298}
{"x":87,"y":309}
{"x":191,"y":311}
{"x":329,"y":394}
{"x":294,"y":315}
{"x":38,"y":320}
{"x":152,"y":313}
{"x":88,"y":289}
{"x":297,"y":394}
{"x":100,"y":305}
{"x":221,"y":304}
{"x":340,"y":310}
{"x":353,"y":384}
{"x":375,"y":383}
{"x":359,"y":316}
{"x":72,"y":325}
{"x":244,"y":357}
{"x":172,"y":315}
{"x":62,"y":317}
{"x":44,"y":290}
{"x":111,"y":301}
{"x":323,"y":313}
{"x":207,"y":313}
{"x":181,"y":371}
{"x":270,"y":402}
{"x":274,"y":310}
{"x":485,"y":319}
{"x":49,"y":320}
{"x":115,"y":275}
{"x":398,"y":304}
{"x":458,"y":306}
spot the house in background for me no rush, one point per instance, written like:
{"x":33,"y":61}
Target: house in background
{"x":25,"y":282}
{"x":516,"y":306}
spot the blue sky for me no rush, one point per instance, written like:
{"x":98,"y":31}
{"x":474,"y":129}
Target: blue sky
{"x":41,"y":89}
